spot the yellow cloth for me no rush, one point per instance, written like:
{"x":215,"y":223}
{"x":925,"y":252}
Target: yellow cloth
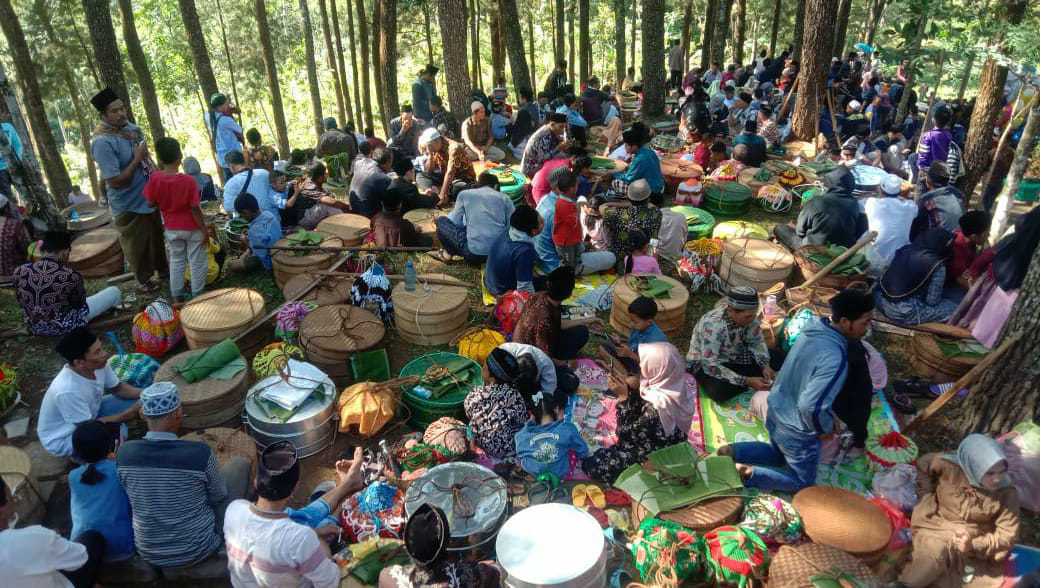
{"x":582,"y":285}
{"x":478,"y":344}
{"x":367,"y":405}
{"x":212,"y":269}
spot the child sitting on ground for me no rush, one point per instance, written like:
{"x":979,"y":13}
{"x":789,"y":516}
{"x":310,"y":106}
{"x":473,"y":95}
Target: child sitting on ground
{"x":545,"y":443}
{"x":177,"y":196}
{"x":641,"y":261}
{"x":703,"y":149}
{"x":592,"y":224}
{"x":264,"y":231}
{"x":641,"y":314}
{"x":99,"y":502}
{"x":718,"y":155}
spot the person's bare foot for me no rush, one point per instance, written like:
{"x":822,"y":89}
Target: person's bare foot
{"x":726,"y":450}
{"x":745,"y":471}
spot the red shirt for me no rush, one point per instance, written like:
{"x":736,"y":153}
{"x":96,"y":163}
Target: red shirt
{"x":702,"y":155}
{"x":540,"y":182}
{"x":961,"y":258}
{"x":175,"y":195}
{"x":566,"y":228}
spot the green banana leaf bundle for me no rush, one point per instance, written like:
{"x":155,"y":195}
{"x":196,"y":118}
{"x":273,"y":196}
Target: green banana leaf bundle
{"x":459,"y":372}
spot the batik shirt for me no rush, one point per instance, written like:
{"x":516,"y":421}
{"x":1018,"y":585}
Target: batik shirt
{"x":447,"y":125}
{"x":456,"y":160}
{"x":541,"y":147}
{"x":496,"y":413}
{"x":51,"y":296}
{"x":619,"y":223}
{"x":716,"y":340}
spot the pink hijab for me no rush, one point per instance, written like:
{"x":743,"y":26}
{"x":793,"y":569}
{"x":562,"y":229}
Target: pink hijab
{"x":663,"y":385}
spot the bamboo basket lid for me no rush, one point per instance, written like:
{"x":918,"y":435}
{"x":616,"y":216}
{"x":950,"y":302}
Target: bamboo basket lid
{"x":432,"y":323}
{"x":843,"y":519}
{"x":17,"y":463}
{"x":205,"y":391}
{"x":89,"y":215}
{"x":331,"y":290}
{"x":747,"y":177}
{"x":758,"y":255}
{"x":625,"y":292}
{"x":803,"y":149}
{"x":340,"y":329}
{"x":223,"y":309}
{"x":93,"y":246}
{"x":348,"y":226}
{"x":431,"y":299}
{"x":681,"y":169}
{"x":423,"y":219}
{"x":925,"y":347}
{"x":226,"y":443}
{"x":308,"y":259}
{"x":703,"y":516}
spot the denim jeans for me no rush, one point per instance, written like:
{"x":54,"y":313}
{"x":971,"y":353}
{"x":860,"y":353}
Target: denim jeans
{"x":800,"y":455}
{"x":112,"y":404}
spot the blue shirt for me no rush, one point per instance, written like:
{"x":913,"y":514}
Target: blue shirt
{"x":612,"y":112}
{"x":422,"y":92}
{"x":112,"y":153}
{"x":546,"y":448}
{"x":264,"y":230}
{"x":225,"y":136}
{"x":805,"y":388}
{"x":651,"y":334}
{"x":646,"y":165}
{"x":485,"y":213}
{"x":574,"y":118}
{"x":13,"y":140}
{"x":543,"y":244}
{"x":103,"y":507}
{"x":259,"y":185}
{"x":509,"y":262}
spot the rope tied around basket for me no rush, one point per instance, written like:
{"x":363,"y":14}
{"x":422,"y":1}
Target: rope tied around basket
{"x":342,"y":314}
{"x":462,"y":507}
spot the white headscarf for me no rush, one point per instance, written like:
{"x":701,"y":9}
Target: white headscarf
{"x":663,"y":385}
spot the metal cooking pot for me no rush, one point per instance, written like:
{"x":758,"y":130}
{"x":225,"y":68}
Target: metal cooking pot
{"x":310,"y":430}
{"x":473,"y":499}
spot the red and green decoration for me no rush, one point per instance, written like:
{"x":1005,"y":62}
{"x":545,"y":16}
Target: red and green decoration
{"x":891,"y":449}
{"x":735,"y":555}
{"x":8,"y":387}
{"x":667,"y":553}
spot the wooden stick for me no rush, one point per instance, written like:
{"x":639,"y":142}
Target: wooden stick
{"x":825,"y":270}
{"x":787,"y":99}
{"x":438,"y":281}
{"x":341,"y":249}
{"x":940,"y":329}
{"x":834,"y":118}
{"x":965,"y":381}
{"x":120,"y":278}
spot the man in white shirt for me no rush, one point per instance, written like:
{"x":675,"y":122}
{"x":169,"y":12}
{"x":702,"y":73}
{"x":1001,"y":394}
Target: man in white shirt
{"x":891,"y":216}
{"x":268,"y":545}
{"x":246,"y":179}
{"x":36,"y":557}
{"x":85,"y":389}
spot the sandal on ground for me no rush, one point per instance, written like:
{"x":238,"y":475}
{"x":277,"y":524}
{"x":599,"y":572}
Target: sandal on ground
{"x":151,"y":286}
{"x":900,"y":402}
{"x":440,"y":255}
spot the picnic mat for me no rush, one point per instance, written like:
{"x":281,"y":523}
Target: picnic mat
{"x":582,"y":286}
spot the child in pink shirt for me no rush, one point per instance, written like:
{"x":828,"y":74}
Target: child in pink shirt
{"x":640,"y":261}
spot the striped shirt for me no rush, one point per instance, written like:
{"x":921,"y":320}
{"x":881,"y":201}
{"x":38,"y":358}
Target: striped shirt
{"x":173,"y":486}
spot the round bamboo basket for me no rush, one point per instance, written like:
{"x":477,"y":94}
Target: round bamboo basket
{"x":222,"y":314}
{"x":348,"y":226}
{"x":809,"y":268}
{"x":930,"y":364}
{"x":208,"y":402}
{"x":804,"y":149}
{"x":671,"y":312}
{"x":106,"y":267}
{"x":331,"y":334}
{"x":97,"y":253}
{"x":331,"y":290}
{"x":677,"y":170}
{"x":432,"y":314}
{"x":226,"y":443}
{"x":747,"y":177}
{"x":757,"y":263}
{"x":288,"y":264}
{"x":844,"y":520}
{"x":424,"y":220}
{"x":16,"y":466}
{"x":89,"y":215}
{"x":703,"y":516}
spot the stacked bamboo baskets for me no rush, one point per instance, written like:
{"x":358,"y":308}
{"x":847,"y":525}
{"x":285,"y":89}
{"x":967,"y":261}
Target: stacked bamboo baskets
{"x":930,"y":364}
{"x":210,"y":401}
{"x":432,"y":314}
{"x":757,"y":263}
{"x":331,"y":290}
{"x":677,"y":170}
{"x":89,"y":215}
{"x":288,"y":264}
{"x":329,"y":335}
{"x":96,"y":253}
{"x":424,"y":220}
{"x":16,"y":471}
{"x":671,"y":311}
{"x":222,"y":314}
{"x":747,"y":177}
{"x":348,"y":226}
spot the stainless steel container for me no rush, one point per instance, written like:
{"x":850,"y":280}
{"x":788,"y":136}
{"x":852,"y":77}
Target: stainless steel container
{"x":552,"y":545}
{"x":310,"y":430}
{"x":473,"y":499}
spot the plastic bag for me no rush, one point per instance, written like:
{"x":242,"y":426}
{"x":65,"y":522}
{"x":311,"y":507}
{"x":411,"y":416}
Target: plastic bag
{"x":900,"y":523}
{"x":1023,"y":457}
{"x":897,"y":484}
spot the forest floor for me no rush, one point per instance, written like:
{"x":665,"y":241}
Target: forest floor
{"x":36,"y":361}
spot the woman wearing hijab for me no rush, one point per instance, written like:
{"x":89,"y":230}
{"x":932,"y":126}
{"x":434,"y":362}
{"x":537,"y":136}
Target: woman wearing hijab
{"x":496,"y":410}
{"x":203,"y":181}
{"x":969,"y":519}
{"x":911,"y":289}
{"x":654,"y":410}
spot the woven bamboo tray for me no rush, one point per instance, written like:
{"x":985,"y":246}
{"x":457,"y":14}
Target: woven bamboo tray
{"x":809,"y":268}
{"x":929,"y":363}
{"x":329,"y":335}
{"x":747,"y":177}
{"x":793,"y":565}
{"x":90,"y":215}
{"x":94,"y":247}
{"x":208,"y":399}
{"x":844,"y":520}
{"x":348,"y":226}
{"x":701,"y":517}
{"x":106,"y":267}
{"x":16,"y":466}
{"x":725,"y":198}
{"x":331,"y":290}
{"x":221,"y":314}
{"x":226,"y":443}
{"x":288,"y":264}
{"x":671,"y":312}
{"x":432,"y":314}
{"x":677,"y":170}
{"x":757,"y":263}
{"x":424,"y":220}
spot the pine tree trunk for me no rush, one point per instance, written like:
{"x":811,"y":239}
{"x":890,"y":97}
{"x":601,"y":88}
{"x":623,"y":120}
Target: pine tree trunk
{"x":799,"y":29}
{"x":969,"y":65}
{"x":428,"y":33}
{"x":1006,"y":198}
{"x":635,"y":30}
{"x":911,"y":76}
{"x":775,"y":30}
{"x":530,"y":48}
{"x":684,"y":35}
{"x":25,"y":174}
{"x":739,"y":23}
{"x":474,"y":36}
{"x":330,"y":60}
{"x":571,"y":37}
{"x":359,"y":113}
{"x":366,"y":96}
{"x":816,"y":61}
{"x":227,"y":57}
{"x":498,"y":48}
{"x":877,"y":8}
{"x":106,"y":52}
{"x":559,"y":13}
{"x":584,"y":41}
{"x":197,"y":43}
{"x":653,"y":57}
{"x":619,"y":40}
{"x":277,"y":111}
{"x":87,"y":53}
{"x":722,"y":17}
{"x":341,"y":66}
{"x":53,"y":165}
{"x":388,"y":59}
{"x":312,"y":65}
{"x":708,"y":38}
{"x":515,"y":45}
{"x":144,"y":76}
{"x":841,"y":28}
{"x":988,"y":103}
{"x":376,"y":58}
{"x":452,"y":17}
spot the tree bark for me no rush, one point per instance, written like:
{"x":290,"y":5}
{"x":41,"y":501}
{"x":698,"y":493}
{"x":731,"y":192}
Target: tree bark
{"x":988,"y":103}
{"x":969,"y":65}
{"x":25,"y":174}
{"x":429,"y":34}
{"x":515,"y":45}
{"x":722,"y":17}
{"x":799,"y":29}
{"x":571,"y":67}
{"x":106,"y":52}
{"x":330,"y":60}
{"x":619,"y":41}
{"x":452,"y":17}
{"x":474,"y":36}
{"x":775,"y":30}
{"x":560,"y":47}
{"x":341,"y":67}
{"x":376,"y":59}
{"x":583,"y":40}
{"x":530,"y":47}
{"x":197,"y":43}
{"x":312,"y":66}
{"x":739,"y":23}
{"x":816,"y":53}
{"x":708,"y":38}
{"x":388,"y":60}
{"x":684,"y":35}
{"x":842,"y":28}
{"x":359,"y":114}
{"x":87,"y":54}
{"x":1006,"y":198}
{"x":144,"y":75}
{"x":911,"y":77}
{"x":227,"y":57}
{"x":366,"y":100}
{"x":264,"y":33}
{"x":53,"y":166}
{"x":877,"y":8}
{"x":653,"y":57}
{"x":635,"y":29}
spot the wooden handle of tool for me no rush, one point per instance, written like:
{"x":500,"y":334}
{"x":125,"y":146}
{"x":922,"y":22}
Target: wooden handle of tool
{"x":321,"y":249}
{"x":966,"y":380}
{"x":825,"y":270}
{"x":787,"y":99}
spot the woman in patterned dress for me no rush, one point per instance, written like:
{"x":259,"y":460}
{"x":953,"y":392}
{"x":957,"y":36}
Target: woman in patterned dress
{"x":14,"y":241}
{"x":496,"y":410}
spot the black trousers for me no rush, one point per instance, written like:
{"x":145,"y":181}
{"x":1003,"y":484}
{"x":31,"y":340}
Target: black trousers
{"x":852,"y":404}
{"x":720,"y":390}
{"x":571,"y":340}
{"x":787,"y":236}
{"x":676,"y":79}
{"x":425,"y":181}
{"x":86,"y":576}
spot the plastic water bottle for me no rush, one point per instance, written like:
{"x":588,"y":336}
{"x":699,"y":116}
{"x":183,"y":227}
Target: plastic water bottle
{"x":409,"y":276}
{"x":770,"y":307}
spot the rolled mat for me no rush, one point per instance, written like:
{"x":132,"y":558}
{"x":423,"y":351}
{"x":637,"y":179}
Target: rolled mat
{"x":210,"y":360}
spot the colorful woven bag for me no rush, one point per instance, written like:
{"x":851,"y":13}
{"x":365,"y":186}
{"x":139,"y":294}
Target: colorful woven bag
{"x":8,"y":386}
{"x":136,"y":369}
{"x":667,"y":553}
{"x":772,"y":518}
{"x":157,"y":329}
{"x":274,"y":357}
{"x":774,"y":198}
{"x":890,"y":449}
{"x":735,"y":555}
{"x":376,"y":511}
{"x":449,"y":433}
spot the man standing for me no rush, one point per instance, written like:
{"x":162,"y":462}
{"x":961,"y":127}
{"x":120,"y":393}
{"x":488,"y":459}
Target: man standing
{"x":800,"y":412}
{"x":424,"y":90}
{"x":676,"y":64}
{"x":334,"y":141}
{"x":122,"y":158}
{"x":226,"y":133}
{"x":405,"y":131}
{"x":476,"y":132}
{"x":557,"y":80}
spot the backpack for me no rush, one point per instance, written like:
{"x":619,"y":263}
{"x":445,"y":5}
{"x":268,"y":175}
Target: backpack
{"x":508,"y":308}
{"x":157,"y":329}
{"x":953,"y":161}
